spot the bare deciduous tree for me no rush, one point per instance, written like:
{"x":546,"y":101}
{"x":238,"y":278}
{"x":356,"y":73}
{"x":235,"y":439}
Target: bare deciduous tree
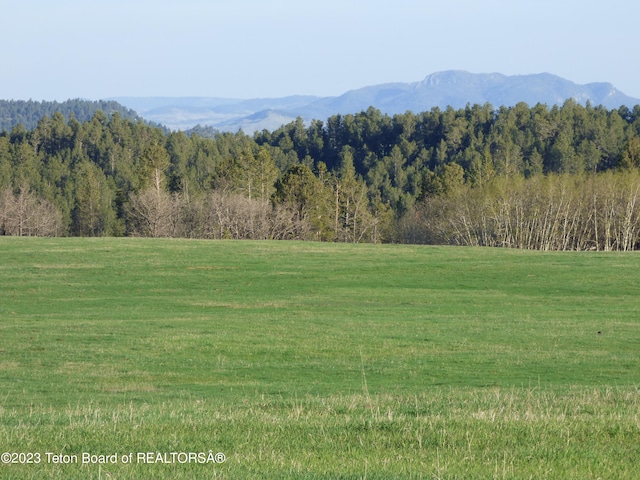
{"x":555,"y":212}
{"x":154,"y":213}
{"x":230,"y":215}
{"x":26,"y":215}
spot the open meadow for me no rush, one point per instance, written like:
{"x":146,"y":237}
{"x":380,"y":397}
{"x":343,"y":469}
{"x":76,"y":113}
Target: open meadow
{"x":138,"y":358}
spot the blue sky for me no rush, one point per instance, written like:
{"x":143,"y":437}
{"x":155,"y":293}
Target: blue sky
{"x":257,"y":48}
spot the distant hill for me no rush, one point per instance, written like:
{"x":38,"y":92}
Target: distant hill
{"x":224,"y":114}
{"x":450,"y":88}
{"x":29,"y":112}
{"x":457,"y":88}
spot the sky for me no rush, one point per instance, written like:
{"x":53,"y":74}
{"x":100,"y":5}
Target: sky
{"x":97,"y":49}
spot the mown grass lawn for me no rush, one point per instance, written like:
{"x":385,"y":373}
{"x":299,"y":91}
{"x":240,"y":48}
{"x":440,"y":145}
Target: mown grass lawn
{"x":317,"y":360}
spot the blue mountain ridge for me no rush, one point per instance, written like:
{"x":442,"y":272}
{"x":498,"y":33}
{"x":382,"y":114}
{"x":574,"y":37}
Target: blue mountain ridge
{"x":455,"y":88}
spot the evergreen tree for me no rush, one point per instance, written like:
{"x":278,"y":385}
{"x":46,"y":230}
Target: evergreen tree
{"x":303,"y":193}
{"x":93,"y":214}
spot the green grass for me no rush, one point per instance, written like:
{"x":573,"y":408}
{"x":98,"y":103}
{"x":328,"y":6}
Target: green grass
{"x":314,"y":360}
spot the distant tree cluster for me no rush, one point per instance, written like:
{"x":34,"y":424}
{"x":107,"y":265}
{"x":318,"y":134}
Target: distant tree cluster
{"x":526,"y":177}
{"x":28,"y":113}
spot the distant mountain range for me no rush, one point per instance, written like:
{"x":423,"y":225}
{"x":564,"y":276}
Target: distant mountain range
{"x":450,"y":88}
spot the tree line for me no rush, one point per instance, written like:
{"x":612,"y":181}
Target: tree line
{"x":563,"y":177}
{"x":29,"y":112}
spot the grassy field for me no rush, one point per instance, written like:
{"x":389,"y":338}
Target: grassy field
{"x":309,"y":360}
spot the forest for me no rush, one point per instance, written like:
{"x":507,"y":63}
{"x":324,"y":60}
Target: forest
{"x":28,"y":113}
{"x":551,"y":178}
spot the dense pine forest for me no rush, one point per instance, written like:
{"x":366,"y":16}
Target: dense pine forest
{"x":28,"y":113}
{"x":529,"y":177}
